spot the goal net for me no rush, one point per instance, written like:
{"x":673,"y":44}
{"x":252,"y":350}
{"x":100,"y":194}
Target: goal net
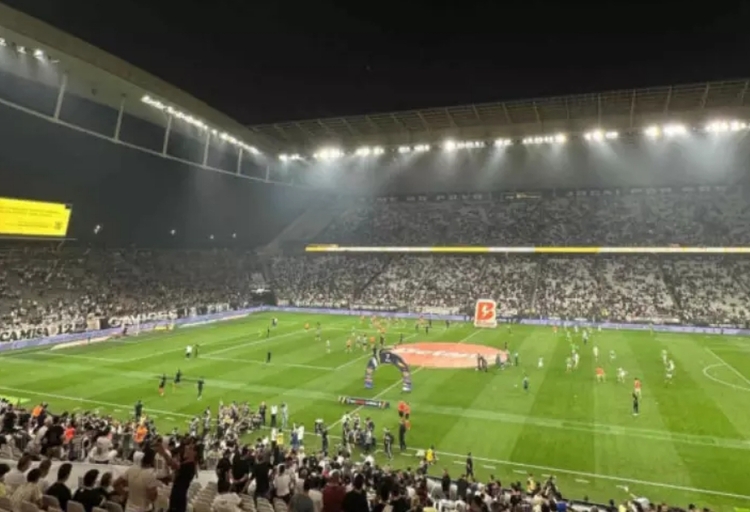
{"x":485,"y":313}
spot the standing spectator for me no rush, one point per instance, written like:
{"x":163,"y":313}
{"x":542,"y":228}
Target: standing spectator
{"x":261,"y":473}
{"x":226,"y":499}
{"x":301,"y":501}
{"x":139,"y":483}
{"x":44,"y":468}
{"x":282,"y":483}
{"x":356,"y":500}
{"x":333,"y":494}
{"x":185,"y":472}
{"x":59,"y":489}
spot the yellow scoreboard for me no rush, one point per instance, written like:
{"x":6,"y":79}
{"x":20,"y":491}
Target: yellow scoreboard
{"x":21,"y":217}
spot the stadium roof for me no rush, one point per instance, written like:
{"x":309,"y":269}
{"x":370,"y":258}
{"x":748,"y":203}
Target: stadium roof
{"x":105,"y":79}
{"x":624,"y":110}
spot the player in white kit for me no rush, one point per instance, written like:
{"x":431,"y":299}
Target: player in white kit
{"x":576,"y":360}
{"x":328,"y":346}
{"x":596,"y":353}
{"x":188,"y":351}
{"x":621,"y":374}
{"x":540,"y":363}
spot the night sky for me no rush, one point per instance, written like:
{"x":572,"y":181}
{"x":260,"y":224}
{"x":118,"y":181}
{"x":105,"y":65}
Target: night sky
{"x":273,"y":61}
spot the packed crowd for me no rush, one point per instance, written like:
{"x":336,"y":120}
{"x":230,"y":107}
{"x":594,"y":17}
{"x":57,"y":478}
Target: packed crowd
{"x":697,"y":218}
{"x":699,"y":290}
{"x":146,"y":471}
{"x":45,"y":285}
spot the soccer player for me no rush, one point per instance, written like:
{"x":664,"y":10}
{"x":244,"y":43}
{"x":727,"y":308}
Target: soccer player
{"x":349,"y":345}
{"x":328,"y":346}
{"x":275,"y":322}
{"x":469,"y":466}
{"x":576,"y":360}
{"x":200,"y":388}
{"x":177,"y":378}
{"x":636,"y":408}
{"x":401,"y":339}
{"x":621,"y":374}
{"x":568,"y":364}
{"x":388,"y":444}
{"x":188,"y":351}
{"x":515,"y":359}
{"x":664,"y":357}
{"x":600,"y":375}
{"x":585,"y":336}
{"x":162,"y":383}
{"x":596,"y":353}
{"x":539,"y":364}
{"x":612,"y":356}
{"x":670,"y":371}
{"x":268,"y":357}
{"x":637,"y":386}
{"x":526,"y":383}
{"x":195,"y":351}
{"x":138,"y":410}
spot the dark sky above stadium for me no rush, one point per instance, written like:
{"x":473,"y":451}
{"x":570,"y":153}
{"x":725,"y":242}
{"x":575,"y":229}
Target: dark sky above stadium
{"x":263,"y":61}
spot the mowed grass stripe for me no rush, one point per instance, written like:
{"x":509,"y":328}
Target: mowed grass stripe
{"x":560,"y":392}
{"x":683,"y":408}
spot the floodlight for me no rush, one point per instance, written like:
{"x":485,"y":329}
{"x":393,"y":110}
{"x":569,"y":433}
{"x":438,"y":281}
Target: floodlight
{"x":2,"y":42}
{"x":561,"y":138}
{"x":363,"y":151}
{"x":502,"y":142}
{"x":404,"y":149}
{"x":421,"y":148}
{"x":652,"y":132}
{"x":39,"y":54}
{"x":674,"y":130}
{"x":21,"y":49}
{"x":377,"y":150}
{"x":450,"y":145}
{"x":283,"y":158}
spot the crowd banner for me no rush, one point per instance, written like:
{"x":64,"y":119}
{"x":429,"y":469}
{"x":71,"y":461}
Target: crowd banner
{"x":40,"y":338}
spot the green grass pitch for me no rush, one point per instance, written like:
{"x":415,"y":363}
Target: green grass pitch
{"x":690,"y":443}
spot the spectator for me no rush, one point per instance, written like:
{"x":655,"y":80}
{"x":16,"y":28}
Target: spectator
{"x":356,"y":500}
{"x":226,"y":500}
{"x":4,"y":468}
{"x":28,"y":491}
{"x":60,"y":489}
{"x":301,"y":501}
{"x":88,"y":495}
{"x":140,"y":483}
{"x":16,"y":477}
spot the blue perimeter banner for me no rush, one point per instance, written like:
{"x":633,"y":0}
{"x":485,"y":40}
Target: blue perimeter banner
{"x":388,"y":357}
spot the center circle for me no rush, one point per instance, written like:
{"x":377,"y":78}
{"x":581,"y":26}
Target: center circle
{"x":447,"y":355}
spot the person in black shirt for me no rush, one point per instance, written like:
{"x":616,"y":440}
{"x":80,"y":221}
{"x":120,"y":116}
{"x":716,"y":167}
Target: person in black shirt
{"x":240,"y":470}
{"x":185,"y":471}
{"x":445,"y":484}
{"x":224,"y":466}
{"x":200,"y":388}
{"x":162,"y":384}
{"x":469,"y":466}
{"x":53,"y":438}
{"x":268,"y":357}
{"x":356,"y":500}
{"x":87,"y":495}
{"x":402,"y":436}
{"x":261,"y":476}
{"x":59,"y":490}
{"x":177,"y":378}
{"x":388,"y":444}
{"x":138,"y":410}
{"x":635,"y":404}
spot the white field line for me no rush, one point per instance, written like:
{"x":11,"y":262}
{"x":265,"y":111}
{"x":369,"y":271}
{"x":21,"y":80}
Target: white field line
{"x":736,"y":372}
{"x":707,"y":373}
{"x":546,"y":469}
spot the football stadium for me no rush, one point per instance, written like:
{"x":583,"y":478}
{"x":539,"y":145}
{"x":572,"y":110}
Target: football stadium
{"x":536,"y":304}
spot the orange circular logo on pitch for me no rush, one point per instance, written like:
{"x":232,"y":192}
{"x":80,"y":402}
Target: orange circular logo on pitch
{"x":447,"y":355}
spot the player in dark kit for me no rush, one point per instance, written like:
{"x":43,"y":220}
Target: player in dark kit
{"x":388,"y":444}
{"x":177,"y":378}
{"x":200,"y":388}
{"x":268,"y":357}
{"x":195,"y":350}
{"x":138,"y":410}
{"x":162,"y":383}
{"x":401,"y":339}
{"x":469,"y":466}
{"x":636,"y":407}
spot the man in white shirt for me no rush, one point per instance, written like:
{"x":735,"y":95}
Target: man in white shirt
{"x":274,"y":413}
{"x":17,"y":476}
